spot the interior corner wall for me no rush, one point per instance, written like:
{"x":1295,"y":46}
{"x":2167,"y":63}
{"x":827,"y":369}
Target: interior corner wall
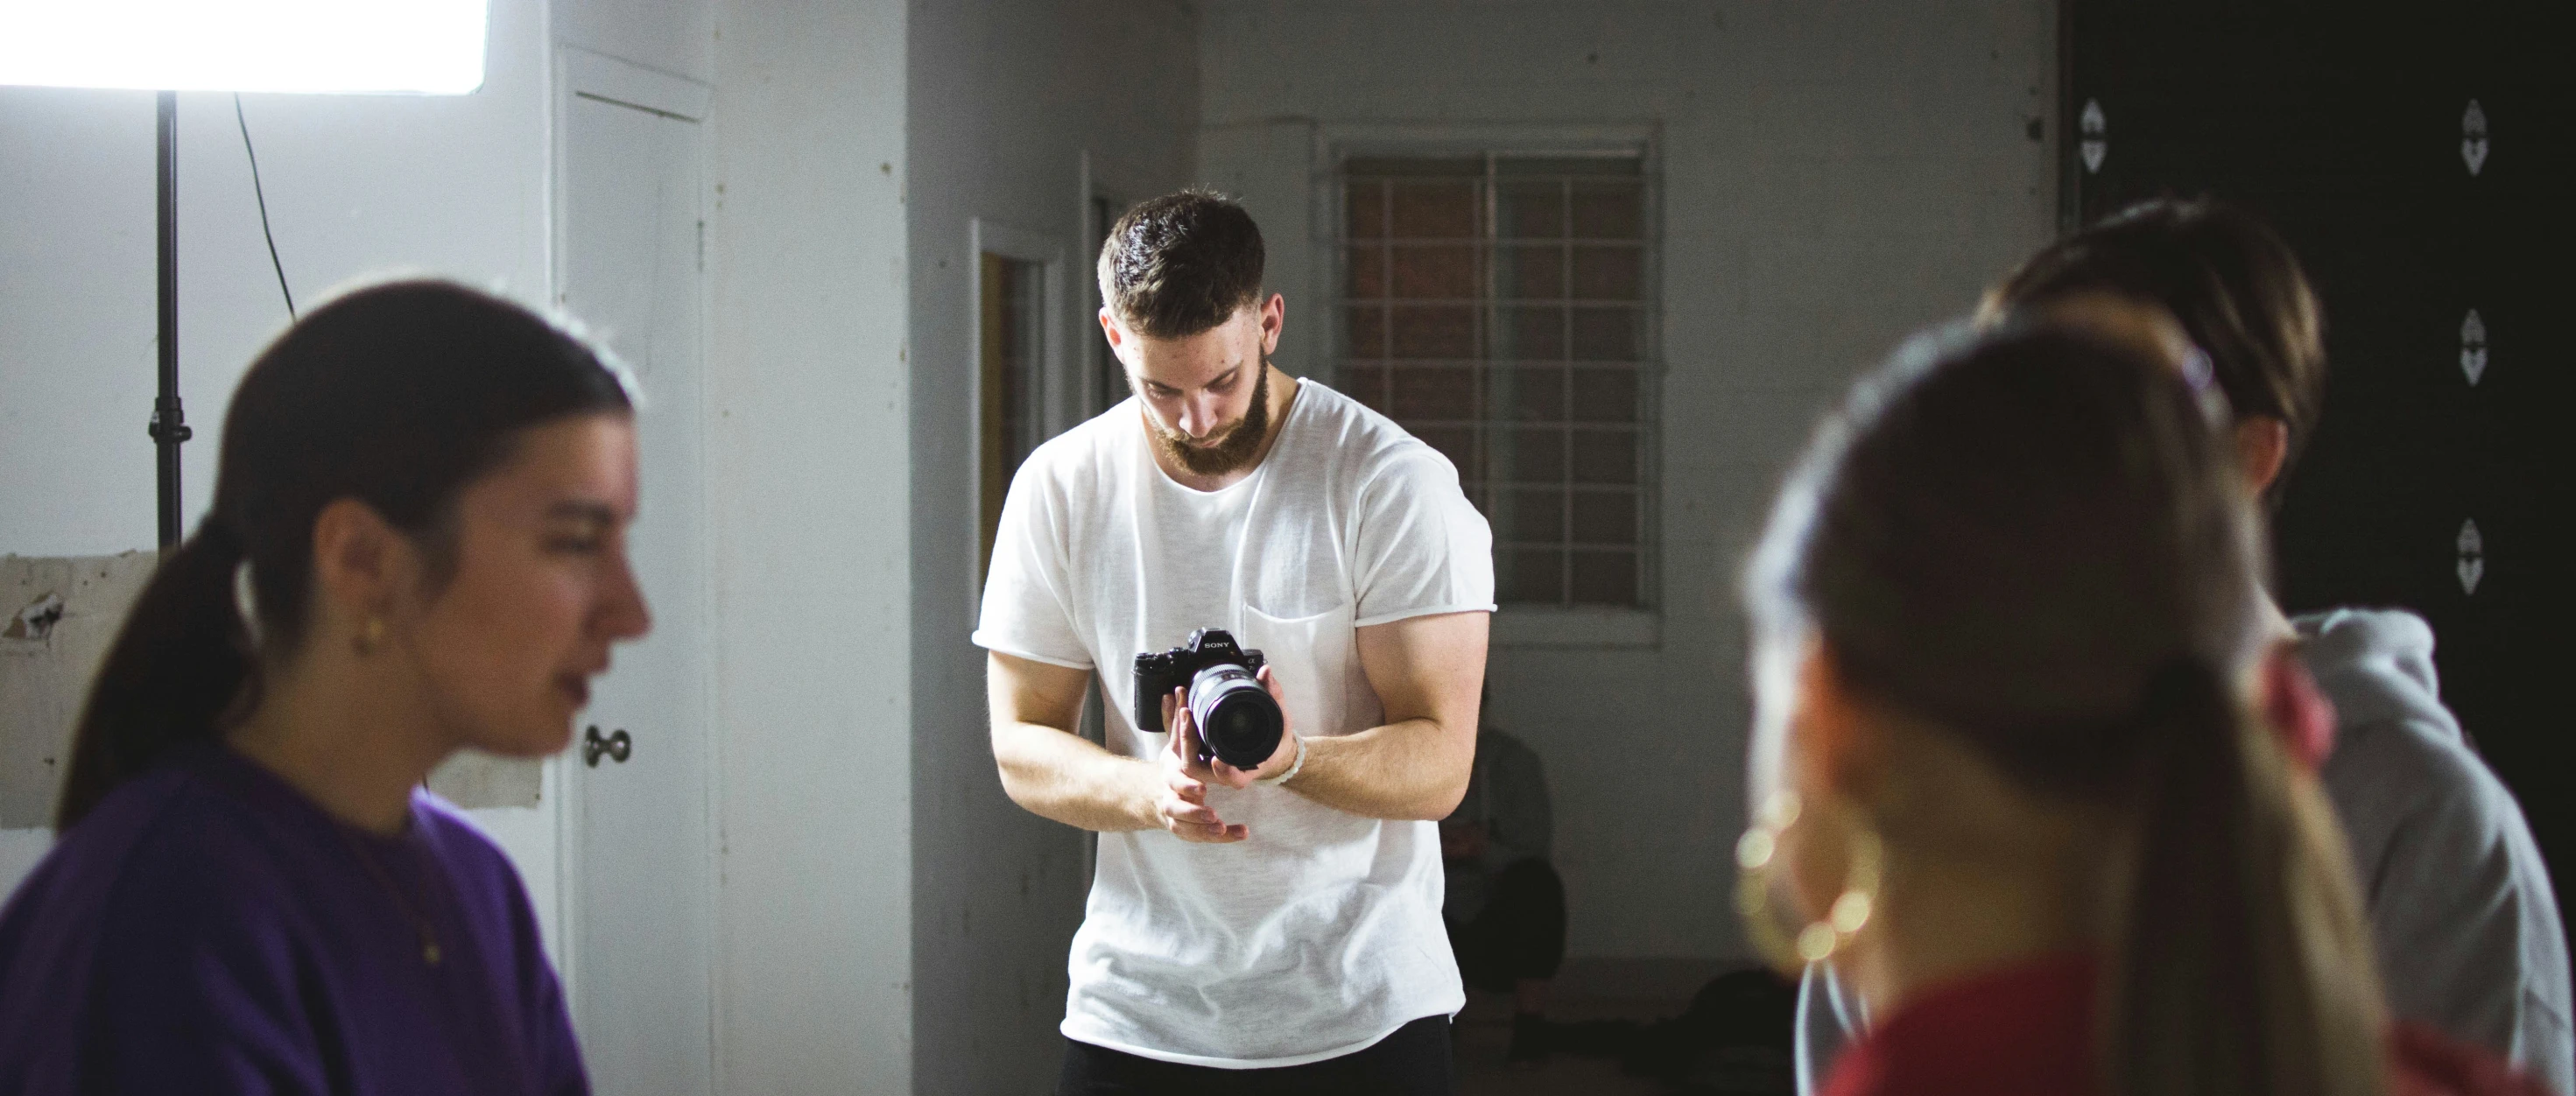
{"x":1007,"y":102}
{"x":1833,"y":175}
{"x":808,"y":446}
{"x":358,"y":186}
{"x":806,"y":371}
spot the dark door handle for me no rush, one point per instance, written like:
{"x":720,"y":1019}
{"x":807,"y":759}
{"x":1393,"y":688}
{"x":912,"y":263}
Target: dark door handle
{"x":617,"y":746}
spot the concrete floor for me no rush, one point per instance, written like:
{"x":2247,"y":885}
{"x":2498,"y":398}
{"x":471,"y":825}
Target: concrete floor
{"x":1639,"y":990}
{"x":1485,"y":1030}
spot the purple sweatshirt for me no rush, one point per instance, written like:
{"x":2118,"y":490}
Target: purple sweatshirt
{"x":209,"y":930}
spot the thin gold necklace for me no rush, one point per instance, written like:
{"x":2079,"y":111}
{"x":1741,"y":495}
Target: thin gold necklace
{"x":429,"y":951}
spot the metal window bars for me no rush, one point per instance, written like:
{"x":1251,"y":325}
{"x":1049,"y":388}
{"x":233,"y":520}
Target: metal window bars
{"x":1500,"y":307}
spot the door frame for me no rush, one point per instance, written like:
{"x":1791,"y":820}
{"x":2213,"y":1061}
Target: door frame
{"x":582,"y":74}
{"x":1059,"y":396}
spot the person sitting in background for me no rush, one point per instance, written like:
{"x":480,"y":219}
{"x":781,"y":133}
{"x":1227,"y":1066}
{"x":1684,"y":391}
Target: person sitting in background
{"x":416,"y":545}
{"x":2008,"y":623}
{"x":1505,"y":906}
{"x":2467,"y":926}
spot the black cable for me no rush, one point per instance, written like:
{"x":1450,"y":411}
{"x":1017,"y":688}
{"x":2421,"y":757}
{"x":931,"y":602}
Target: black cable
{"x":263,"y":208}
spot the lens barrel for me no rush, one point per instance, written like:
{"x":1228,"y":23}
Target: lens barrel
{"x":1236,"y":717}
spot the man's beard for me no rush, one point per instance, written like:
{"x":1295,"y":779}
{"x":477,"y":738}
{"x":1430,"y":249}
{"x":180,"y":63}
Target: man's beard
{"x":1232,"y":451}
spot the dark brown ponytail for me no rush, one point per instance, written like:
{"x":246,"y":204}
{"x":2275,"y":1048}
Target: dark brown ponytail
{"x":2236,"y":932}
{"x":397,"y":395}
{"x":2039,"y":544}
{"x":182,"y":657}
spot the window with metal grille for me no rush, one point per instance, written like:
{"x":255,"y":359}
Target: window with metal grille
{"x":1500,"y":307}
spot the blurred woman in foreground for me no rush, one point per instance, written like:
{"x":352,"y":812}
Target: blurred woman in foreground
{"x":2469,"y":935}
{"x":416,"y":546}
{"x":2008,"y":625}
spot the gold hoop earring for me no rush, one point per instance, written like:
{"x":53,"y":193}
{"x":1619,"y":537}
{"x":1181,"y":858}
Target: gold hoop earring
{"x":1757,"y":854}
{"x":370,"y":637}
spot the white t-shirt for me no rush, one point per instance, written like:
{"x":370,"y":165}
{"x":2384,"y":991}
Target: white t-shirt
{"x":1321,"y":933}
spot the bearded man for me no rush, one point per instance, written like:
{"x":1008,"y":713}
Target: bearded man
{"x":1272,"y":928}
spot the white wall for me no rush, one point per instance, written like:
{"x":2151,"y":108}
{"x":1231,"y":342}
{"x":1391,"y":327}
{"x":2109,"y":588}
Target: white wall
{"x":357,"y":186}
{"x":1833,"y":175}
{"x":1006,"y":101}
{"x":806,"y":372}
{"x":673,"y":36}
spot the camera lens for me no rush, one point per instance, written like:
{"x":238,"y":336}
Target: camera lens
{"x":1236,"y":716}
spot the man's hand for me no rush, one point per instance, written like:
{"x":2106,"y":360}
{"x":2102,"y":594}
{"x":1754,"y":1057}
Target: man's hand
{"x":1182,"y":806}
{"x":1184,"y":802}
{"x":1176,"y":715}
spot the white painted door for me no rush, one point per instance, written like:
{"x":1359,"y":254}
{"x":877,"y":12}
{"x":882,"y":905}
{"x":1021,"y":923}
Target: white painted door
{"x":640,"y":901}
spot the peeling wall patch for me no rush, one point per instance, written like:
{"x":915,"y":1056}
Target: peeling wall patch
{"x":36,"y":621}
{"x":61,"y":613}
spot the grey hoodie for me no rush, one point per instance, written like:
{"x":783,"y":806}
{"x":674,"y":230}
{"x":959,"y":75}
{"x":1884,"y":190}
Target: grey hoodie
{"x":2467,"y":928}
{"x":2460,"y":904}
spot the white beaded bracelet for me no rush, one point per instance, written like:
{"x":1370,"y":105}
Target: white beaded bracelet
{"x":1293,"y":767}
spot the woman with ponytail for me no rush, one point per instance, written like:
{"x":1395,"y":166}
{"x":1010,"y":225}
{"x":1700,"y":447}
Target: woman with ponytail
{"x":2468,"y":931}
{"x":416,"y":546}
{"x":2007,"y":774}
{"x":2467,"y":928}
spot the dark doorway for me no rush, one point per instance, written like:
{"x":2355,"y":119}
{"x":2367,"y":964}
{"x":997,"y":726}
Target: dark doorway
{"x":1108,"y":378}
{"x":2417,"y":157}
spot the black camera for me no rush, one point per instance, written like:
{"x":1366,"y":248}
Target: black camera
{"x":1238,"y":721}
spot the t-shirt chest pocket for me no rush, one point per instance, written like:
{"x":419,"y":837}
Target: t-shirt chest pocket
{"x":1316,"y":661}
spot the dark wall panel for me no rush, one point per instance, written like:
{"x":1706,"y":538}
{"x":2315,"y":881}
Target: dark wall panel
{"x":2349,"y":128}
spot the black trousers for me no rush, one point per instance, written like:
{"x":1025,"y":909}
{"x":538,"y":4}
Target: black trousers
{"x":1412,"y":1061}
{"x":1519,"y":934}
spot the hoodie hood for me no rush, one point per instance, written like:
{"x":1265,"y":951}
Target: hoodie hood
{"x":2375,"y":665}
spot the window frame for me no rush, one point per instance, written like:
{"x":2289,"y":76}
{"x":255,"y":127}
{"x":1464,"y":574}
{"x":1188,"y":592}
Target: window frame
{"x":1053,"y":388}
{"x":1527,"y":624}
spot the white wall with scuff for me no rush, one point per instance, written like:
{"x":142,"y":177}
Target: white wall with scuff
{"x":357,"y":187}
{"x":807,"y":380}
{"x":1832,"y":176}
{"x":1007,"y":102}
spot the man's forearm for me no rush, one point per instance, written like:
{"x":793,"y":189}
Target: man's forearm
{"x":1415,"y":769}
{"x":1065,"y":777}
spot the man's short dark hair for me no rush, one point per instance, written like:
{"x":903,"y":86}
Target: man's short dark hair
{"x":2228,"y":278}
{"x":1181,"y":264}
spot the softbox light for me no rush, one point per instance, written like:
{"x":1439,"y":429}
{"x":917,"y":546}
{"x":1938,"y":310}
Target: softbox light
{"x":423,"y":46}
{"x":431,"y":47}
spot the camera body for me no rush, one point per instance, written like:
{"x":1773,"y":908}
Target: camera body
{"x":1238,"y":721}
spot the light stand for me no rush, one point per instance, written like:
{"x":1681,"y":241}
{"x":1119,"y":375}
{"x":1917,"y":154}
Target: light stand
{"x":424,"y":47}
{"x":169,"y":428}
